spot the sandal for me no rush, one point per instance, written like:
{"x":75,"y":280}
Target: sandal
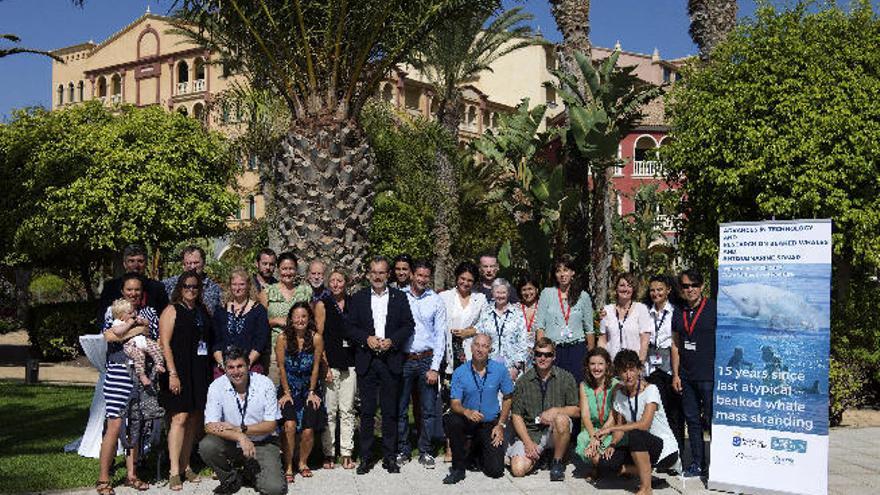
{"x":289,"y":477}
{"x":137,"y":484}
{"x":347,"y":463}
{"x":104,"y":488}
{"x":191,"y":476}
{"x":175,"y":483}
{"x":329,"y":464}
{"x":305,"y":472}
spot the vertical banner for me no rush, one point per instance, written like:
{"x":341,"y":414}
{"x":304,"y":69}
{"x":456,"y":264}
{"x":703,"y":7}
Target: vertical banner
{"x":770,"y":411}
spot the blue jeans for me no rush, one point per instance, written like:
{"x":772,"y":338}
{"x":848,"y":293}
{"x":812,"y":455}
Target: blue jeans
{"x":696,"y":399}
{"x":414,"y":373}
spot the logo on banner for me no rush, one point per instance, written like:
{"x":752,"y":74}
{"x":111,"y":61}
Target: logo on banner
{"x":788,"y":445}
{"x":750,"y":443}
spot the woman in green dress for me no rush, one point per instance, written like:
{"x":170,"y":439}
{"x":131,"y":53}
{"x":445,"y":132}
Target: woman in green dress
{"x":596,"y":393}
{"x":279,"y":297}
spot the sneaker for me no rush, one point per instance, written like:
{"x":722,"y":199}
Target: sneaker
{"x":402,"y":459}
{"x":454,"y":476}
{"x":692,"y":471}
{"x":557,"y":470}
{"x":427,"y":460}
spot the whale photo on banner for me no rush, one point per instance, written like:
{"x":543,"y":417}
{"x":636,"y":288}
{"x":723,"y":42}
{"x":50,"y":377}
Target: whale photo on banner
{"x":770,"y":411}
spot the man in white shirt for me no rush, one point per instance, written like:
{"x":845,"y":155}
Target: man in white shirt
{"x":241,"y":415}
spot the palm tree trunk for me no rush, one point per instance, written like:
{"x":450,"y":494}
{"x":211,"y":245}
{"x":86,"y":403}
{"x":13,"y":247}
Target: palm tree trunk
{"x":711,"y":21}
{"x":573,"y":20}
{"x":601,"y":204}
{"x":447,"y":219}
{"x":322,"y":182}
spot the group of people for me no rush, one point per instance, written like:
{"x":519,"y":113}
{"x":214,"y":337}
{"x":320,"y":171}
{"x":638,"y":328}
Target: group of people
{"x":502,"y":375}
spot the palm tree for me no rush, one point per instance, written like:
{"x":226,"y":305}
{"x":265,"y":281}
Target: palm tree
{"x":711,"y":20}
{"x":573,"y":20}
{"x":324,"y":59}
{"x":454,"y":54}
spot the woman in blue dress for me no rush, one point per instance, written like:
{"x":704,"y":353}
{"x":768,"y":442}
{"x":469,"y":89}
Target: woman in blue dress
{"x":298,"y":352}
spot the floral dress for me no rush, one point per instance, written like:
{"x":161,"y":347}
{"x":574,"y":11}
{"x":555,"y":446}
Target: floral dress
{"x":298,"y":368}
{"x":509,"y":337}
{"x":278,"y":306}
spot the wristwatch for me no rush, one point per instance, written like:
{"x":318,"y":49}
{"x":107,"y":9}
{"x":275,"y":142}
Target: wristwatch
{"x":503,"y":425}
{"x":244,"y":428}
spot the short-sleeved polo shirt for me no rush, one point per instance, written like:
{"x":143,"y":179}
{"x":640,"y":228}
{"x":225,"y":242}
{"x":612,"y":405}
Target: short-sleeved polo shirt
{"x":223,"y":403}
{"x":481,"y":392}
{"x":529,"y":401}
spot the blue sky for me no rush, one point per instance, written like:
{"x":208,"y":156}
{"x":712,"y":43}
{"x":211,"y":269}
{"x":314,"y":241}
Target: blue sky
{"x":639,"y":25}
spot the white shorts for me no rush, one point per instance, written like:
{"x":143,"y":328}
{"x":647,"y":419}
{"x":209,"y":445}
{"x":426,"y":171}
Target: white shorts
{"x":518,"y":448}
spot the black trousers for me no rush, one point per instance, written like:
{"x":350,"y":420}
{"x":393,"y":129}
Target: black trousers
{"x":379,"y":383}
{"x":671,"y":404}
{"x":637,"y":441}
{"x":458,"y":428}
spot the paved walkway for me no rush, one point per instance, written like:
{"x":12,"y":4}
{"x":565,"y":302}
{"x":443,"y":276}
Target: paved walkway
{"x":854,"y":469}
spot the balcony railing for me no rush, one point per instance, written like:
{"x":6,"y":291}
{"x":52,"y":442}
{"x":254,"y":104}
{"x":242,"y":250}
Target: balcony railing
{"x":667,"y":222}
{"x":117,"y":98}
{"x":199,"y":85}
{"x":646,"y":168}
{"x":183,"y":88}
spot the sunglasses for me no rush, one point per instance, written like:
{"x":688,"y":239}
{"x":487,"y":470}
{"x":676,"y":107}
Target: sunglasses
{"x":190,"y":286}
{"x":690,"y":286}
{"x":539,"y":354}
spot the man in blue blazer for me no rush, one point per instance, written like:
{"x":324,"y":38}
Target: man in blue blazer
{"x":379,"y":323}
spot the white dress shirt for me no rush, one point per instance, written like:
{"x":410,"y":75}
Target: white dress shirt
{"x":379,"y":306}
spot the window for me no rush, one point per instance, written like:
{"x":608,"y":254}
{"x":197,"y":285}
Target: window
{"x":60,"y":94}
{"x":70,"y":93}
{"x":252,"y":162}
{"x":252,"y":208}
{"x":199,"y":112}
{"x":550,"y":94}
{"x":183,"y":111}
{"x":387,"y":93}
{"x":102,"y":87}
{"x":81,"y":90}
{"x":669,"y":75}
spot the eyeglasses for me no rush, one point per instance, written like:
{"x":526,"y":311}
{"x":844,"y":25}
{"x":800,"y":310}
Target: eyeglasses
{"x":190,"y":286}
{"x":690,"y":286}
{"x":539,"y":354}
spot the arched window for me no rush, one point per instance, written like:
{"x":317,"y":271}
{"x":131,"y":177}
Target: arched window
{"x":70,"y":93}
{"x":199,"y":82}
{"x":116,"y":88}
{"x":81,"y":90}
{"x":645,"y":156}
{"x":182,"y":77}
{"x":60,"y":94}
{"x":102,"y":87}
{"x":183,"y":111}
{"x":472,"y":117}
{"x":387,"y":93}
{"x":199,"y":111}
{"x":252,"y":208}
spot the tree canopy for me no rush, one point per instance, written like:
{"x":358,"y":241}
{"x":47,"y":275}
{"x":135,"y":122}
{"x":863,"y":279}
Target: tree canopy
{"x":83,"y":181}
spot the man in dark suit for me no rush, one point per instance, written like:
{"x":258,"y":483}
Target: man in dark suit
{"x":379,"y":323}
{"x":134,"y":260}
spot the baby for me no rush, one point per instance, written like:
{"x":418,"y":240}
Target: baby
{"x":135,"y":347}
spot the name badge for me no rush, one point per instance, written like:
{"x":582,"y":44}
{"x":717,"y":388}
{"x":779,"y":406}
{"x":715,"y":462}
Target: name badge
{"x":345,"y":343}
{"x":203,"y":348}
{"x":690,"y":346}
{"x":537,"y":420}
{"x":655,"y":359}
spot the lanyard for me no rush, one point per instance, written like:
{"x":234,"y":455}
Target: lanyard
{"x":621,"y":323}
{"x":243,"y":410}
{"x":635,"y":410}
{"x":658,"y":326}
{"x":544,"y":384}
{"x":480,"y":384}
{"x":529,"y":321}
{"x":690,"y":328}
{"x":499,"y":332}
{"x":565,"y":313}
{"x":604,"y":397}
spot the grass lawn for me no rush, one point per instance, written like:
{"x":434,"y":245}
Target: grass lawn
{"x":37,"y":422}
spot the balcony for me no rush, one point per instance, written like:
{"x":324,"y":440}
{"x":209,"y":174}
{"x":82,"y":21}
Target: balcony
{"x":183,"y":88}
{"x":116,"y":99}
{"x":199,"y":85}
{"x":646,"y":168}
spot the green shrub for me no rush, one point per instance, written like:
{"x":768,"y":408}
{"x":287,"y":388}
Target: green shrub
{"x":398,"y":228}
{"x":55,"y":328}
{"x":48,"y":288}
{"x":846,"y":382}
{"x":9,"y":324}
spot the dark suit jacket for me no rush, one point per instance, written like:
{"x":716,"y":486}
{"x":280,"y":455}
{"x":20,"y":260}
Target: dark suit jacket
{"x":399,"y":327}
{"x":154,"y":293}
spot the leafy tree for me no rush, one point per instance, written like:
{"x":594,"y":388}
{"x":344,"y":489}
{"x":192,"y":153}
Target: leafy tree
{"x":452,"y":55}
{"x":783,"y":122}
{"x":599,"y":116}
{"x":82,"y":182}
{"x":324,"y":59}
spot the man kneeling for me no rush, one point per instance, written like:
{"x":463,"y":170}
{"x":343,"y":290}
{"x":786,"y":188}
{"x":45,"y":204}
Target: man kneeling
{"x":475,"y":411}
{"x":241,"y":415}
{"x":544,"y":401}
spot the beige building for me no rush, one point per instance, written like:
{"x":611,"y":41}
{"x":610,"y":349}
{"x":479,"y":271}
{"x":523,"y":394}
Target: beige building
{"x":146,"y":64}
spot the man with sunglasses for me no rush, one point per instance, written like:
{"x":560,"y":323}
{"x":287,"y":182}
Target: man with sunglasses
{"x":544,"y":402}
{"x":693,"y":330}
{"x":475,"y":411}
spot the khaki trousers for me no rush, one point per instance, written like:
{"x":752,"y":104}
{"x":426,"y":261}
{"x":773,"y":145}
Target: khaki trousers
{"x":339,"y":399}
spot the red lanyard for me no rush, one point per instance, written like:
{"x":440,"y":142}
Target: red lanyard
{"x":601,"y":411}
{"x":565,"y":314}
{"x":529,"y":321}
{"x":690,"y":328}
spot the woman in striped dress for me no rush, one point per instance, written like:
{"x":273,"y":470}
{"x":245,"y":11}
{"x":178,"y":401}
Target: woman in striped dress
{"x":118,"y":383}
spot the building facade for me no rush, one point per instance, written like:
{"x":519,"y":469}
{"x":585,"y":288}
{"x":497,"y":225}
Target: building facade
{"x":146,"y":63}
